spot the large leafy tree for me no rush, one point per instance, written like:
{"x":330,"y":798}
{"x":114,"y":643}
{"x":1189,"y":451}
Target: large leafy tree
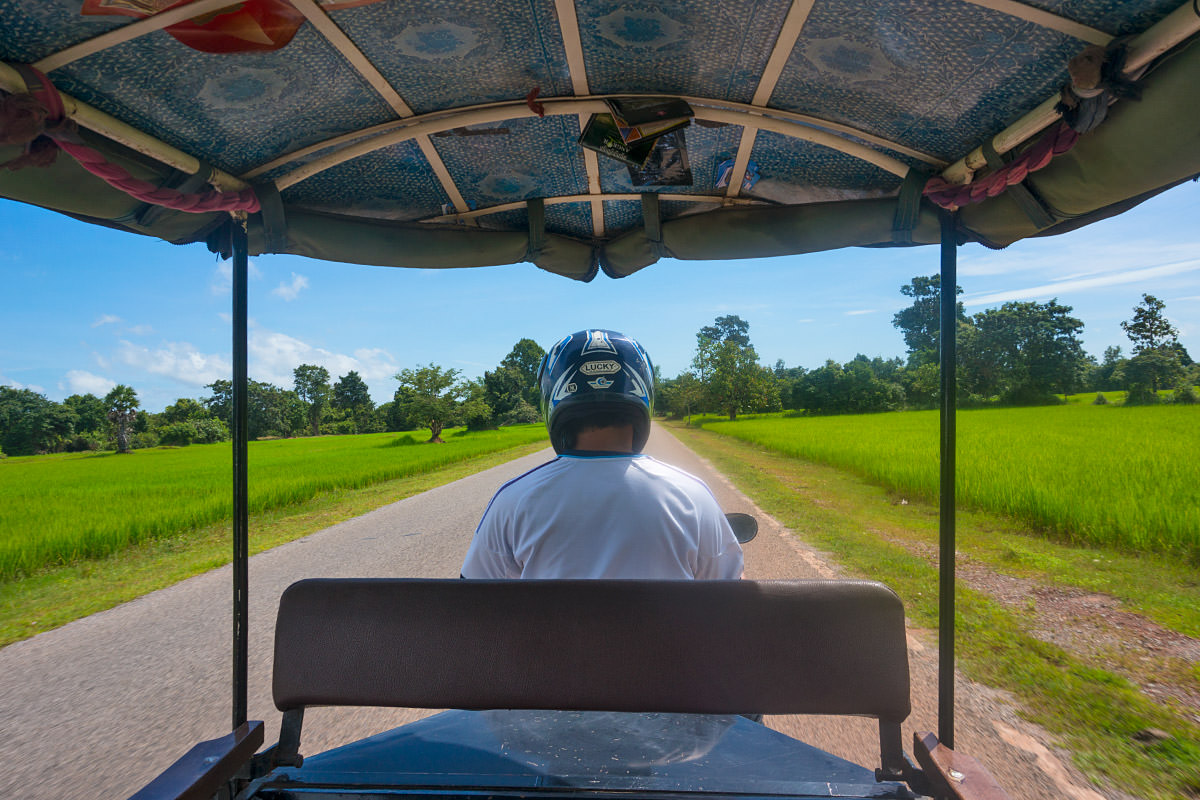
{"x":350,"y":393}
{"x":511,"y":390}
{"x":1024,"y":352}
{"x":680,"y":396}
{"x":90,"y":414}
{"x":504,"y":389}
{"x":920,"y":322}
{"x":1103,"y":378}
{"x":729,"y":328}
{"x":430,"y":396}
{"x":862,"y":385}
{"x":184,"y":409}
{"x":1158,"y":358}
{"x":312,"y":386}
{"x":30,"y":423}
{"x":352,"y":398}
{"x":271,"y":411}
{"x":122,"y":404}
{"x":727,"y":364}
{"x":525,"y":358}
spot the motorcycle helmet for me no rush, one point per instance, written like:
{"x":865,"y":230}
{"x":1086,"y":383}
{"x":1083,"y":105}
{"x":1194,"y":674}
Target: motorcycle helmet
{"x":597,"y":374}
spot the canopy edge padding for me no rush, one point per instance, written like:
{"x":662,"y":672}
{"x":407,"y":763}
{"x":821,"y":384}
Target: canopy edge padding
{"x":732,"y":233}
{"x":332,"y":237}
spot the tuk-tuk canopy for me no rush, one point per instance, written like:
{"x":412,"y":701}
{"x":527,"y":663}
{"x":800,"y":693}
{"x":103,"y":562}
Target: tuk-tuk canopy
{"x":417,"y":133}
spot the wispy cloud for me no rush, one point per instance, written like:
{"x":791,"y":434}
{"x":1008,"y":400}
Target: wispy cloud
{"x":1063,"y":287}
{"x":18,"y":385}
{"x":178,"y":360}
{"x":79,"y":381}
{"x":860,"y":312}
{"x":141,"y":330}
{"x":106,"y":319}
{"x":274,"y":356}
{"x":1079,"y":258}
{"x":289,"y":291}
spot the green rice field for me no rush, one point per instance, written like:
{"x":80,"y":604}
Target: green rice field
{"x":1101,"y":475}
{"x":63,"y":508}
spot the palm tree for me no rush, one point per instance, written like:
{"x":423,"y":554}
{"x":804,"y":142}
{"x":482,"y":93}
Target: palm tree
{"x":122,"y":404}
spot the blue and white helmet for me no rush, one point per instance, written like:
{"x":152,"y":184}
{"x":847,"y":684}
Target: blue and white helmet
{"x":596,"y":372}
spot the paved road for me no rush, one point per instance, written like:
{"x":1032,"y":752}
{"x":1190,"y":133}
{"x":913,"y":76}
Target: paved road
{"x":97,"y":708}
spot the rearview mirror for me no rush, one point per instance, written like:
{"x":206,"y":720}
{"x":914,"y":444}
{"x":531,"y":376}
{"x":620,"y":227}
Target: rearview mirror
{"x":745,"y":527}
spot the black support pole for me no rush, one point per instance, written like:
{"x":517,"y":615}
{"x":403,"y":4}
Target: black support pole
{"x":949,"y":398}
{"x":241,"y":529}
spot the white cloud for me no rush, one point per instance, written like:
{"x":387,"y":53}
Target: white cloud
{"x":860,"y":312}
{"x":16,"y":385}
{"x":106,"y":319}
{"x":806,"y":319}
{"x":141,"y":330}
{"x":79,"y":381}
{"x":1059,"y":288}
{"x":178,"y":360}
{"x":289,"y":291}
{"x":274,"y":356}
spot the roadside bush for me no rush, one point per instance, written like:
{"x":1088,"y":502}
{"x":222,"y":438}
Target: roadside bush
{"x":210,"y":431}
{"x":176,"y":434}
{"x":520,"y":414}
{"x":1141,"y":395}
{"x":477,"y":415}
{"x":1185,"y":393}
{"x":143,"y":441}
{"x":83,"y":442}
{"x":340,"y":427}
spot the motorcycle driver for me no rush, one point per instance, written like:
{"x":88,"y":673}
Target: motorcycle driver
{"x":602,"y":508}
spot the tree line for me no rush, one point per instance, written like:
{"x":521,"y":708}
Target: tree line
{"x":430,"y":397}
{"x":1022,"y":353}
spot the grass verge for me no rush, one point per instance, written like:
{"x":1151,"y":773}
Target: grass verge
{"x":1096,"y":712}
{"x":53,"y":597}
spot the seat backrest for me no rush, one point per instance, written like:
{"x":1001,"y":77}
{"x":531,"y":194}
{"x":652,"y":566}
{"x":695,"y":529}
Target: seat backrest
{"x":796,"y":647}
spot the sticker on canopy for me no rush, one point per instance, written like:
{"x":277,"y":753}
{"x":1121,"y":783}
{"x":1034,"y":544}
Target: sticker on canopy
{"x":598,"y":342}
{"x":253,"y":25}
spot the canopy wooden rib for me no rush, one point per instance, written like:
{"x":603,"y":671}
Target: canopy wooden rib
{"x":792,"y":25}
{"x":713,"y":110}
{"x":568,"y":23}
{"x":363,"y":66}
{"x":700,"y":199}
{"x":1045,"y":19}
{"x":127,"y":33}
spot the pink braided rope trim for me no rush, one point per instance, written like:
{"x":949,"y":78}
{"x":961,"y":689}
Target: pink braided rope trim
{"x":950,"y":195}
{"x":118,"y":177}
{"x":94,"y":162}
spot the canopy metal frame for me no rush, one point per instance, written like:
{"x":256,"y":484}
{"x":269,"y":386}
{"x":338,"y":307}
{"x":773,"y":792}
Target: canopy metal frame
{"x":752,"y":117}
{"x":948,"y":414}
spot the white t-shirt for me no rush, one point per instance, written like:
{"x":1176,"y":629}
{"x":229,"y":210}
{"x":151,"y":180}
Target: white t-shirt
{"x":604,"y":516}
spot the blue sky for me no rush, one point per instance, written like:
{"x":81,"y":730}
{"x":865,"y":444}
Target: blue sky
{"x":85,"y":308}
